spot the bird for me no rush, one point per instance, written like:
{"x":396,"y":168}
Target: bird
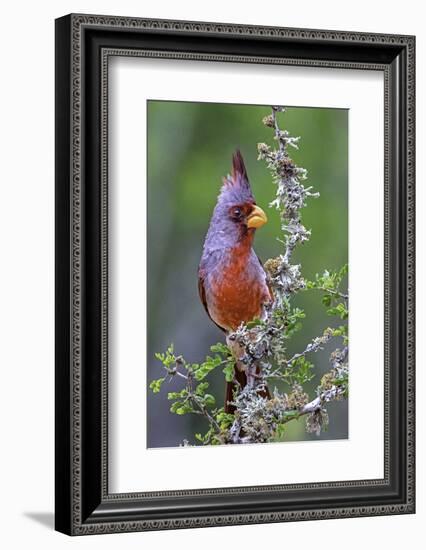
{"x":232,"y":283}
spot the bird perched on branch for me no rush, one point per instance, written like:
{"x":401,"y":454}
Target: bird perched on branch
{"x":231,"y":280}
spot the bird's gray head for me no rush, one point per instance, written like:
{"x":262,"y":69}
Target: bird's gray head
{"x":236,"y":215}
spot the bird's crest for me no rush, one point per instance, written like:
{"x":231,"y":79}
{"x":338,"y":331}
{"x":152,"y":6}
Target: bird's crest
{"x":238,"y":166}
{"x":236,"y":187}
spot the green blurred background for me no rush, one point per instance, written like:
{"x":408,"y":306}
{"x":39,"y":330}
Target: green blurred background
{"x":190,"y":147}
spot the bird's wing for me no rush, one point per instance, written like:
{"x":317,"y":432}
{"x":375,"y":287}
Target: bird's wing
{"x":268,"y":282}
{"x":202,"y":293}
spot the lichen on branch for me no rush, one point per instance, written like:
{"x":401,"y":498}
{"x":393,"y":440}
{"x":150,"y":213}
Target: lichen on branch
{"x":264,"y":342}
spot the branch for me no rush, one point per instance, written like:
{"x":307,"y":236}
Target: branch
{"x":315,"y":345}
{"x":193,"y":398}
{"x":325,"y":397}
{"x":335,"y":392}
{"x":334,"y":292}
{"x":290,"y":198}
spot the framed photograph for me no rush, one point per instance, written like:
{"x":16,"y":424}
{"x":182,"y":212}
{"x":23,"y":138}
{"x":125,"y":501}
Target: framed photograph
{"x":234,"y":274}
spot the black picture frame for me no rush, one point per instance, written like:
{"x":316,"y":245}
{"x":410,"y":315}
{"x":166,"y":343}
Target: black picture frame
{"x":83,"y":45}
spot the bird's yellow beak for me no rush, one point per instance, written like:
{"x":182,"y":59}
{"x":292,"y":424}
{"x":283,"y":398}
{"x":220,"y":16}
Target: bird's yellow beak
{"x":256,"y":218}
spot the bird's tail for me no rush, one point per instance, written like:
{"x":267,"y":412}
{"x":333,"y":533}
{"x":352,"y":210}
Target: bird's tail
{"x":240,"y":381}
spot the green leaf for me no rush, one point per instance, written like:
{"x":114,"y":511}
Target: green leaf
{"x":155,"y":385}
{"x":224,"y":419}
{"x":175,"y":406}
{"x":220,"y":348}
{"x":326,"y":300}
{"x":304,"y":372}
{"x":340,"y":331}
{"x":209,"y":400}
{"x":229,"y":371}
{"x":177,"y":394}
{"x":292,"y":321}
{"x":279,"y":432}
{"x":201,"y":388}
{"x":329,"y":280}
{"x":340,"y":310}
{"x":209,"y":364}
{"x":343,"y":271}
{"x":168,"y":359}
{"x":254,"y":323}
{"x":181,"y":407}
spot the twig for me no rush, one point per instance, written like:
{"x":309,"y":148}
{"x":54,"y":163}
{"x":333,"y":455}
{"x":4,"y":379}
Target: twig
{"x":330,"y":291}
{"x":325,"y":397}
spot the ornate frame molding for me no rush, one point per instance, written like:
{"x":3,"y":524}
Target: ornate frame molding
{"x":84,"y":505}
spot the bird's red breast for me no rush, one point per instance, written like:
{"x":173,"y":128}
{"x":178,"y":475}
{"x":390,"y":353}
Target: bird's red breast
{"x":236,"y":290}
